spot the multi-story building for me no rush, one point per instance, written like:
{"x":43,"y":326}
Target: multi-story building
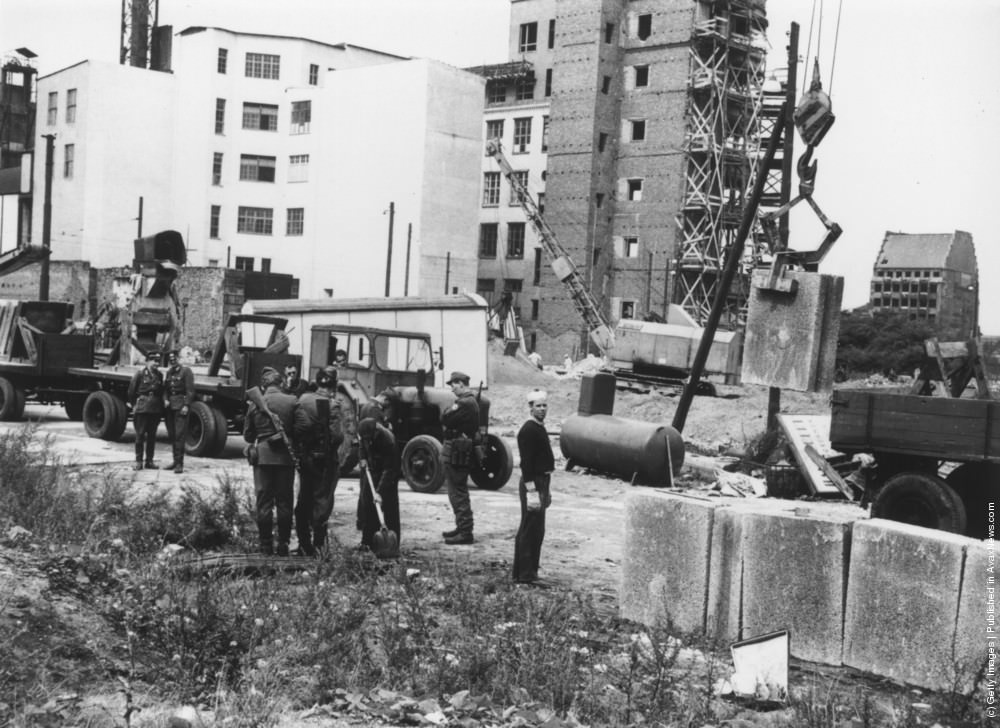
{"x":17,"y":122}
{"x":271,"y":153}
{"x":929,"y":277}
{"x":636,"y":124}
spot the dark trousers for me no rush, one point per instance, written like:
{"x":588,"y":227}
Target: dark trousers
{"x":317,"y":483}
{"x":457,"y":482}
{"x":531,"y":531}
{"x":368,"y":522}
{"x":274,"y":486}
{"x":145,"y":424}
{"x":177,"y":425}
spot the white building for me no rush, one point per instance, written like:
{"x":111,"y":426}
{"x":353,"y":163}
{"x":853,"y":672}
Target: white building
{"x":270,"y":153}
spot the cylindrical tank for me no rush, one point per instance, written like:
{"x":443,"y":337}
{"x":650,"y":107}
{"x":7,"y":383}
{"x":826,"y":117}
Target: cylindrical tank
{"x":625,"y":448}
{"x":597,"y":394}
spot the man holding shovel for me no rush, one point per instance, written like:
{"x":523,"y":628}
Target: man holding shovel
{"x":379,"y":471}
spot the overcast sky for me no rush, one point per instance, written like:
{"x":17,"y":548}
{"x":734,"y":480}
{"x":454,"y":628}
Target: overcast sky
{"x":913,"y":86}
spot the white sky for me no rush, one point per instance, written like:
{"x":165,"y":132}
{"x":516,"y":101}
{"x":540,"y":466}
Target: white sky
{"x":914,"y":89}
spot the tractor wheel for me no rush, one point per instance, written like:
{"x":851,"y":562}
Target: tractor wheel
{"x":422,"y":464}
{"x":922,"y":500}
{"x":74,"y":407}
{"x":11,"y":400}
{"x":495,"y":470}
{"x":104,"y":416}
{"x":978,"y":485}
{"x":221,"y":433}
{"x":202,"y":431}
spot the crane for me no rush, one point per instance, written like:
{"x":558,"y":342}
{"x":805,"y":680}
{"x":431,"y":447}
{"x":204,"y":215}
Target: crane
{"x":599,"y":329}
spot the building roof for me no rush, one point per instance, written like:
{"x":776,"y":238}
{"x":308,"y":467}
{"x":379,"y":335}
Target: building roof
{"x":903,"y":250}
{"x":340,"y":46}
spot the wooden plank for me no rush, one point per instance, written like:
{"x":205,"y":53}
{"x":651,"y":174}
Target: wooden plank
{"x":803,"y":430}
{"x":830,"y":472}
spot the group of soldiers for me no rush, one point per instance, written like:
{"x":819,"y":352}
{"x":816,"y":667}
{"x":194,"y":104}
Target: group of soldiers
{"x":153,"y":395}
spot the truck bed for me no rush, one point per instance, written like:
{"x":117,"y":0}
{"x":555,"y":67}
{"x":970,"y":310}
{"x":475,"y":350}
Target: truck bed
{"x":963,"y":430}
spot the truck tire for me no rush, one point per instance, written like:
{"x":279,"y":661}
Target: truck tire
{"x":494,"y":472}
{"x":978,"y":485}
{"x":73,"y":405}
{"x":221,"y":433}
{"x":922,"y":500}
{"x":202,"y":431}
{"x":104,"y":415}
{"x":11,"y":400}
{"x":422,"y":465}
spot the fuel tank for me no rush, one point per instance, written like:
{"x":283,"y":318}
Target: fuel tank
{"x":643,"y":451}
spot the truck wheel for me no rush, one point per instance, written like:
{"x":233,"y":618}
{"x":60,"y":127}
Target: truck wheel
{"x":11,"y":400}
{"x":221,"y":432}
{"x":494,"y":472}
{"x":74,"y":407}
{"x":422,"y":464}
{"x":978,"y":485}
{"x":104,"y":415}
{"x":920,"y":499}
{"x":202,"y":433}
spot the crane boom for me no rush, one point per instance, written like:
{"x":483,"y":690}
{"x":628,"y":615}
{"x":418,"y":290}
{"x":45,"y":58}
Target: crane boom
{"x":599,"y":329}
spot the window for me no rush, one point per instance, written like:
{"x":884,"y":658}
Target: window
{"x":602,"y":141}
{"x":494,"y":129}
{"x":605,"y":84}
{"x":637,"y":130}
{"x":644,"y":26}
{"x":213,"y":221}
{"x":524,"y":89}
{"x":640,"y":76}
{"x":609,"y":32}
{"x":515,"y":240}
{"x":488,"y":233}
{"x":496,"y":92}
{"x":313,"y":74}
{"x":491,"y":189}
{"x":68,"y":159}
{"x":298,"y":168}
{"x":244,"y":263}
{"x":522,"y":135}
{"x":295,"y":221}
{"x":548,"y":82}
{"x":256,"y":220}
{"x":534,"y":309}
{"x":536,"y":279}
{"x":631,"y":247}
{"x":599,"y":200}
{"x":53,"y":108}
{"x":254,"y":168}
{"x":260,"y":116}
{"x":634,"y":187}
{"x":220,"y":64}
{"x":265,"y":265}
{"x":262,"y":65}
{"x":528,"y":38}
{"x":220,"y":116}
{"x":217,"y":168}
{"x":301,"y":116}
{"x":519,"y":178}
{"x":514,"y":285}
{"x":628,"y":309}
{"x":552,"y":33}
{"x":545,"y":133}
{"x":71,"y":106}
{"x":541,"y":203}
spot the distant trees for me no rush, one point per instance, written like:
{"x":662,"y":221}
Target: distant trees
{"x":880,"y":343}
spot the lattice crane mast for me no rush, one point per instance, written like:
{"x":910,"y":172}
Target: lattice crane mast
{"x":599,"y":329}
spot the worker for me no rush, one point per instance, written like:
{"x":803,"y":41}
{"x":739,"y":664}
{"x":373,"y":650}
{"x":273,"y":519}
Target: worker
{"x":178,"y":394}
{"x":293,"y":384}
{"x":537,"y":464}
{"x":340,"y":358}
{"x":318,"y":431}
{"x":145,"y":394}
{"x":379,"y":461}
{"x":266,"y":428}
{"x":461,"y":425}
{"x":381,"y":407}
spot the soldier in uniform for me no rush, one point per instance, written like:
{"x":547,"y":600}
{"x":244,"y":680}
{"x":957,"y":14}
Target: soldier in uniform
{"x":461,"y":424}
{"x":273,"y":465}
{"x":145,"y":394}
{"x":318,"y":432}
{"x":380,"y":460}
{"x":178,"y":394}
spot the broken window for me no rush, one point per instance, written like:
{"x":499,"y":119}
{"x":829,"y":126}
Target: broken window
{"x":260,"y":116}
{"x":644,"y":26}
{"x":255,"y":220}
{"x":491,"y":189}
{"x":255,"y":168}
{"x":634,"y":188}
{"x":628,"y":309}
{"x":528,"y":38}
{"x":262,"y":65}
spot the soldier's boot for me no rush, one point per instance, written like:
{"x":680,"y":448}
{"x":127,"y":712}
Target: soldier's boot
{"x":282,"y":549}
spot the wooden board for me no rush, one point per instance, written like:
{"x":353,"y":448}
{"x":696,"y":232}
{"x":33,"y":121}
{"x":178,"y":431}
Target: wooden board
{"x":803,"y":430}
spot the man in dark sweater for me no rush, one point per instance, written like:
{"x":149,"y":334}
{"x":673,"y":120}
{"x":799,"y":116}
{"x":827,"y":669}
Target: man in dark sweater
{"x":537,"y":463}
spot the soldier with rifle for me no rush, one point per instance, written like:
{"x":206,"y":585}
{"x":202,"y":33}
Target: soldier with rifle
{"x":318,"y":432}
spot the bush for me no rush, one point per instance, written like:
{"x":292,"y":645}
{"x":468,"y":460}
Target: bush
{"x":880,"y":344}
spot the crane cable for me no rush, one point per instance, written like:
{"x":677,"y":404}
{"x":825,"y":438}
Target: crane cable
{"x":819,"y":38}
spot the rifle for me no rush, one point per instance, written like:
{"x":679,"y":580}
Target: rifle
{"x":256,"y":396}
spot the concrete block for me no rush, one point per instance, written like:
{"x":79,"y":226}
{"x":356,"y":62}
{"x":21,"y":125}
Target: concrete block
{"x":977,"y":628}
{"x":725,"y":576}
{"x":665,"y":559}
{"x":794,"y":578}
{"x":902,"y":601}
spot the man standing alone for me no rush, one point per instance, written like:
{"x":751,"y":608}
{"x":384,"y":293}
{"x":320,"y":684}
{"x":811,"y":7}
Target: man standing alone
{"x":461,"y":423}
{"x":145,"y":394}
{"x":179,"y":394}
{"x":537,"y":463}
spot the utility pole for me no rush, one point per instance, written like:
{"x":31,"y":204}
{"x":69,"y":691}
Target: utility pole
{"x":447,"y":271}
{"x":388,"y":257}
{"x":406,"y":278}
{"x":138,"y":233}
{"x":43,"y":282}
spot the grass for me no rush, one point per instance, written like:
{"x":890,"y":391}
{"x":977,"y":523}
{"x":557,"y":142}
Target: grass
{"x":352,"y":637}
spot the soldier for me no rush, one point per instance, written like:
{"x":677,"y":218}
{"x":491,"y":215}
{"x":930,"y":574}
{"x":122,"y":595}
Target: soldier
{"x":178,"y":394}
{"x":461,"y":424}
{"x":273,"y":465}
{"x":537,"y":463}
{"x":318,"y":432}
{"x":145,"y":394}
{"x":293,"y":383}
{"x":380,"y":461}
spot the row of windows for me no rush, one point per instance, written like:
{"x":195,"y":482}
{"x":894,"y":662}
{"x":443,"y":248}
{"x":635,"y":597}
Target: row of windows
{"x":922,"y":286}
{"x":258,"y":221}
{"x":53,"y":109}
{"x":640,"y":26}
{"x":908,"y":273}
{"x":636,"y":77}
{"x":246,"y":263}
{"x":905,"y":302}
{"x":631,"y":190}
{"x":522,"y":133}
{"x":264,"y":117}
{"x":261,"y":168}
{"x":489,"y":237}
{"x":262,"y":65}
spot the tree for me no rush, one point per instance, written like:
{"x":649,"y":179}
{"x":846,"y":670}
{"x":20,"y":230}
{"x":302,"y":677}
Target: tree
{"x":880,"y":343}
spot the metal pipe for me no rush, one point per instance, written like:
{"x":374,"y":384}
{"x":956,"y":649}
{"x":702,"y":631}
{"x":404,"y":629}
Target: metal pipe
{"x":43,"y":282}
{"x":388,"y":257}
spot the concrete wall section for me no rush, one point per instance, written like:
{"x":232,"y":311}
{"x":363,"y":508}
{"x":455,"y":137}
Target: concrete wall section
{"x":977,"y":629}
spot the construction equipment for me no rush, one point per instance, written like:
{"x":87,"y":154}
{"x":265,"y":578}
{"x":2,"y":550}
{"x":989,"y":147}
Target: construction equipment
{"x":599,"y":329}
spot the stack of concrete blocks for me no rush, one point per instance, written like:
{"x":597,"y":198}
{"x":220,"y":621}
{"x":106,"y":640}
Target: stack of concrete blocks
{"x":883,"y":597}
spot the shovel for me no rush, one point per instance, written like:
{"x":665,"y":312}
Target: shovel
{"x":385,"y":543}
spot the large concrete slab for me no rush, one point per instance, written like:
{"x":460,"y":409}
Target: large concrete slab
{"x":665,"y":559}
{"x":902,"y":601}
{"x":977,"y":628}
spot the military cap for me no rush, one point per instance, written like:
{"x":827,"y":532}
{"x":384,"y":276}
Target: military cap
{"x":458,"y":377}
